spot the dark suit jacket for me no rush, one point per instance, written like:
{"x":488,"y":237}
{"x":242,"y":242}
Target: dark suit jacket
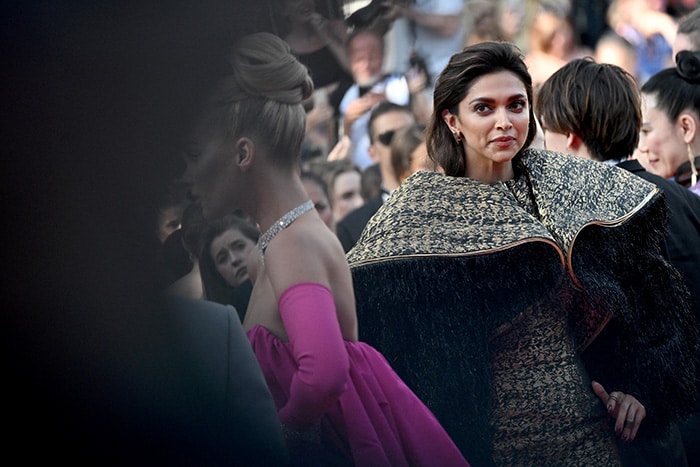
{"x":186,"y":389}
{"x":214,"y":396}
{"x":683,"y":236}
{"x":350,"y":227}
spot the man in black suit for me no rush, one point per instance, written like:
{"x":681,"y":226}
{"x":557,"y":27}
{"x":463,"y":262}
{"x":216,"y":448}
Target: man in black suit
{"x":384,"y":121}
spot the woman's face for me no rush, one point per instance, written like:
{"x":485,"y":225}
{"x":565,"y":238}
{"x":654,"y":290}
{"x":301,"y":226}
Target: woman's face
{"x":321,"y":203}
{"x":212,"y":172}
{"x":347,"y":193}
{"x":169,"y":220}
{"x":230,"y":252}
{"x":493,"y":120}
{"x":660,"y":141}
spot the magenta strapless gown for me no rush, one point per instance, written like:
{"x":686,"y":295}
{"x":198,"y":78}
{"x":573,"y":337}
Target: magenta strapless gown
{"x":377,"y":420}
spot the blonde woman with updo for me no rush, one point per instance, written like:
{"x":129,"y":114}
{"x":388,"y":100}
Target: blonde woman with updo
{"x":338,"y":399}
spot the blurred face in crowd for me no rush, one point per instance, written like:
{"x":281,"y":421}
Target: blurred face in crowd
{"x":492,"y":120}
{"x":661,"y":142}
{"x":230,"y":252}
{"x":383,"y":129}
{"x":169,"y":220}
{"x":347,"y":193}
{"x":321,"y":203}
{"x":366,"y":54}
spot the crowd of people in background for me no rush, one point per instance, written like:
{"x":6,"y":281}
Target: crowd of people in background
{"x":463,"y":155}
{"x":357,"y":65}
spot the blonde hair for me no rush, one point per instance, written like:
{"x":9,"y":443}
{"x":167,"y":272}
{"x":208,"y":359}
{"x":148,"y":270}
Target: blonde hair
{"x":263,"y":95}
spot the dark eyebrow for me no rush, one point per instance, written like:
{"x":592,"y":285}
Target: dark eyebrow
{"x":489,"y":100}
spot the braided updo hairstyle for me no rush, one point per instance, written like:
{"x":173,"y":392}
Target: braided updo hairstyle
{"x":263,"y":96}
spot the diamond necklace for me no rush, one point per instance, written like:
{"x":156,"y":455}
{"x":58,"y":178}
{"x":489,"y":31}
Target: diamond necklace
{"x":281,"y":224}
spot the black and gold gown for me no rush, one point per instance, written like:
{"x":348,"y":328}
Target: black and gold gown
{"x":485,"y":299}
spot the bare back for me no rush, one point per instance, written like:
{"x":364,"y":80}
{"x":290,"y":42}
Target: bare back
{"x":306,"y":251}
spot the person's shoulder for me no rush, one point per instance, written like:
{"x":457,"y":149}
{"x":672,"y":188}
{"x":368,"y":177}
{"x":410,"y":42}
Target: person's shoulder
{"x":556,"y":171}
{"x":307,"y":244}
{"x":187,"y":310}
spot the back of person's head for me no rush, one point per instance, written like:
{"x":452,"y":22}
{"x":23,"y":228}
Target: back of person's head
{"x":330,"y":170}
{"x":381,"y":109}
{"x":599,"y":103}
{"x":677,"y":89}
{"x":215,"y":287}
{"x":404,"y":143}
{"x":263,"y":97}
{"x":453,"y":84}
{"x":689,"y":25}
{"x":371,"y":181}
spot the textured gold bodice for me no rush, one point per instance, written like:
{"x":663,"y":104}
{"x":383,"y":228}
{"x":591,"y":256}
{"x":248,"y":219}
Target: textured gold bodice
{"x":541,"y":406}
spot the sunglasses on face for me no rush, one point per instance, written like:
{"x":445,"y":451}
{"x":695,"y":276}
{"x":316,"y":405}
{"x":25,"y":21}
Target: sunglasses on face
{"x":386,"y":137}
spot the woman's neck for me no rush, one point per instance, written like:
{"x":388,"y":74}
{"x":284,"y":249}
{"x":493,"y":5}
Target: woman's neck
{"x":277,"y":200}
{"x":493,"y":173}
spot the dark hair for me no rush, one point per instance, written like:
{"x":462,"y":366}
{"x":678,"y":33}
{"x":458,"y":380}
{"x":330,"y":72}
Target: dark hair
{"x":263,"y":96}
{"x":405,"y":141}
{"x":309,"y":175}
{"x":193,"y":226}
{"x":452,"y":86}
{"x":174,"y":196}
{"x":690,"y":26}
{"x":677,"y":89}
{"x":381,"y":109}
{"x":366,"y":29}
{"x":371,"y":181}
{"x":599,"y":103}
{"x":215,"y":287}
{"x":330,"y":170}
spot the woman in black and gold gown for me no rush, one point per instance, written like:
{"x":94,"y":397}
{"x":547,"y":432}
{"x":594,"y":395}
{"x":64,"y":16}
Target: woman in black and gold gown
{"x":486,"y":285}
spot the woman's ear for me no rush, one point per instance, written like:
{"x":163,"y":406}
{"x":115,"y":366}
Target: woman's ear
{"x":244,"y":152}
{"x":450,"y":119}
{"x":689,"y":126}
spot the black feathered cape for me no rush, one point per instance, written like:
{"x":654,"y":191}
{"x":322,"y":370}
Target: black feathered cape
{"x":448,"y":260}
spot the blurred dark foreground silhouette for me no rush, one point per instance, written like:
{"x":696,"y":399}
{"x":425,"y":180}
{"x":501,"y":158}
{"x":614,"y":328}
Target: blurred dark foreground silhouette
{"x":99,"y":97}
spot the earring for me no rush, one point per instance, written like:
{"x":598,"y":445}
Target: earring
{"x":457,"y":136}
{"x":693,"y":170}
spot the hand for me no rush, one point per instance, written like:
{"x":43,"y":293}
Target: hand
{"x":320,"y":24}
{"x":341,"y":150}
{"x":627,"y":411}
{"x":361,"y":106}
{"x":394,"y":10}
{"x":417,"y":81}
